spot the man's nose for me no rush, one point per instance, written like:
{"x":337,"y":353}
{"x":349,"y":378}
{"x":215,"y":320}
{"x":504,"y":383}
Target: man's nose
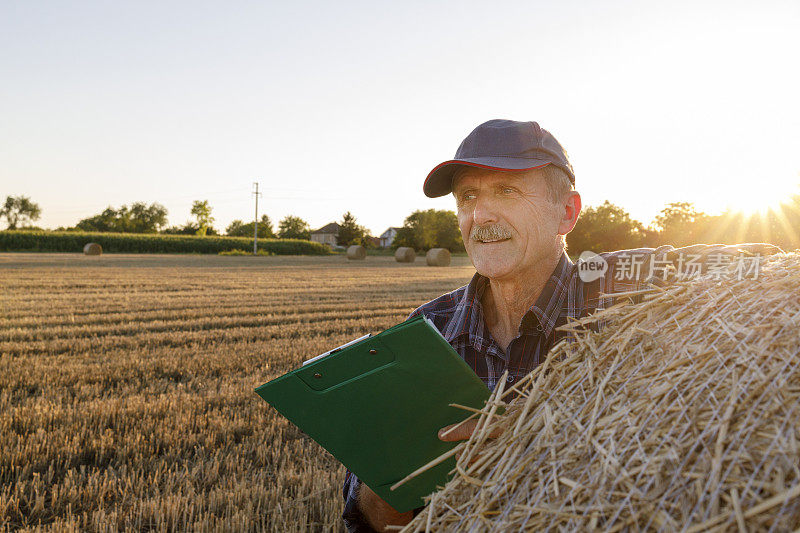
{"x":485,"y":210}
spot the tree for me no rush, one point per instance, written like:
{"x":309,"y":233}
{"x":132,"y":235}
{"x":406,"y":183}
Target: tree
{"x":146,"y":219}
{"x":350,"y":232}
{"x":105,"y":221}
{"x":138,"y":218}
{"x":605,"y":228}
{"x":18,"y":210}
{"x":190,"y":228}
{"x":292,"y":227}
{"x":265,"y":230}
{"x":423,"y":230}
{"x":680,"y":224}
{"x":236,"y":229}
{"x":201,"y":210}
{"x":239,"y":229}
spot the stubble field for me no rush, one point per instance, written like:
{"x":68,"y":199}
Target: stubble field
{"x":126,"y":385}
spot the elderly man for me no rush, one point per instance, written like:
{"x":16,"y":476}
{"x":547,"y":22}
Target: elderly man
{"x":514,"y":190}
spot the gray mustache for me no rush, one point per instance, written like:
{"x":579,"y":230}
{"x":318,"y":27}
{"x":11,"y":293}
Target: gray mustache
{"x":489,"y":233}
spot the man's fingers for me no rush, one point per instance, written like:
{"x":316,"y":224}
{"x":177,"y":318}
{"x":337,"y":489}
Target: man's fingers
{"x":460,"y":431}
{"x":496,"y":432}
{"x":463,"y":431}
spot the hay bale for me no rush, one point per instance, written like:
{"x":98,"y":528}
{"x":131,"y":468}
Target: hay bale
{"x":682,"y":414}
{"x":405,"y":254}
{"x":438,"y":257}
{"x":92,"y":248}
{"x":356,"y":252}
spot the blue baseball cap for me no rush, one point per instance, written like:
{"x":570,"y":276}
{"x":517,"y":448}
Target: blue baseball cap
{"x":500,"y":145}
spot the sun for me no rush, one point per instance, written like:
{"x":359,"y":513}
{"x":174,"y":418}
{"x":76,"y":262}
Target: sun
{"x":762,"y":195}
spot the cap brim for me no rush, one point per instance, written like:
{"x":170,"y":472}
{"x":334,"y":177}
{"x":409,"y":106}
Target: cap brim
{"x":440,"y":180}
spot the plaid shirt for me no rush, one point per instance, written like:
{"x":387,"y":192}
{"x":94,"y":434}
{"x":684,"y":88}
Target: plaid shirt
{"x":459,"y":317}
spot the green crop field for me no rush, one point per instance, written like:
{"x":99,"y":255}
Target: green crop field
{"x":150,"y":243}
{"x":126,"y":385}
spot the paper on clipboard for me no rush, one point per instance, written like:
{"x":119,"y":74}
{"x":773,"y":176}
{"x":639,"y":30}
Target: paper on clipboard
{"x":320,"y":356}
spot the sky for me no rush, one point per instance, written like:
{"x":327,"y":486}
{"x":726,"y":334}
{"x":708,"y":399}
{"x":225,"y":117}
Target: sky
{"x":346,"y":106}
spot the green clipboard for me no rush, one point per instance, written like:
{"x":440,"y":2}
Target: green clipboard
{"x":378,"y":404}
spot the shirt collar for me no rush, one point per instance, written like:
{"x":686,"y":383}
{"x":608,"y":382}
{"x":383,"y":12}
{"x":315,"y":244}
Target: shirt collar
{"x":549,"y":305}
{"x":467,"y":318}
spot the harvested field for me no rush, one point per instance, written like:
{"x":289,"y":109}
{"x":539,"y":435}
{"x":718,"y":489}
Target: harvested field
{"x":126,"y":385}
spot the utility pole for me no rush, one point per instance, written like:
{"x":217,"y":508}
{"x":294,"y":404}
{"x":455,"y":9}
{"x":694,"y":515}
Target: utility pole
{"x":255,"y":221}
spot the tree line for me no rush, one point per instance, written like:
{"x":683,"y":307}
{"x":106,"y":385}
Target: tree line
{"x":600,"y":228}
{"x":608,"y":227}
{"x":139,"y":217}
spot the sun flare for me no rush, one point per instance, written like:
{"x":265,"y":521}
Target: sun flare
{"x":761,"y":196}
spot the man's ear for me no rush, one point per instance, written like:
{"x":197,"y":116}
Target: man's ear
{"x":569,"y":214}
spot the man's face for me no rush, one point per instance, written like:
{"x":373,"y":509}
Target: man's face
{"x":508,"y":222}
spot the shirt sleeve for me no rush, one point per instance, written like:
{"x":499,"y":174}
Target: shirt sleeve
{"x":415,"y":313}
{"x":354,"y":519}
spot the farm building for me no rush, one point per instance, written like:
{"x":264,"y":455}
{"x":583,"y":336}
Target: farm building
{"x":387,"y":237}
{"x":327,"y":234}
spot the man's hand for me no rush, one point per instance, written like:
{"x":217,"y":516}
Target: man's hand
{"x":460,"y":431}
{"x":463,"y":431}
{"x":378,"y":513}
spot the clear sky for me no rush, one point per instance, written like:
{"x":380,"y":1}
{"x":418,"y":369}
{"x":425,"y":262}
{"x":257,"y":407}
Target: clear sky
{"x":336,"y":106}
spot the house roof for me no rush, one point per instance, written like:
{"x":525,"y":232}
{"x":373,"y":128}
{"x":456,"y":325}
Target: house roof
{"x":384,"y":234}
{"x":332,"y":228}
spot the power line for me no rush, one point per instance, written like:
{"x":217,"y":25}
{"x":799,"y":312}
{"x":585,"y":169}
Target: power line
{"x":255,"y":221}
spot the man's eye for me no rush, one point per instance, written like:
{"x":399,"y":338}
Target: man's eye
{"x":467,"y":196}
{"x":507,"y":190}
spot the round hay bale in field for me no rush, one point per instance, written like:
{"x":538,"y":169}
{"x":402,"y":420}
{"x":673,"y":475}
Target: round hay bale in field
{"x":438,"y":257}
{"x":92,"y":248}
{"x":681,"y":414}
{"x":356,"y":252}
{"x":404,"y":254}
